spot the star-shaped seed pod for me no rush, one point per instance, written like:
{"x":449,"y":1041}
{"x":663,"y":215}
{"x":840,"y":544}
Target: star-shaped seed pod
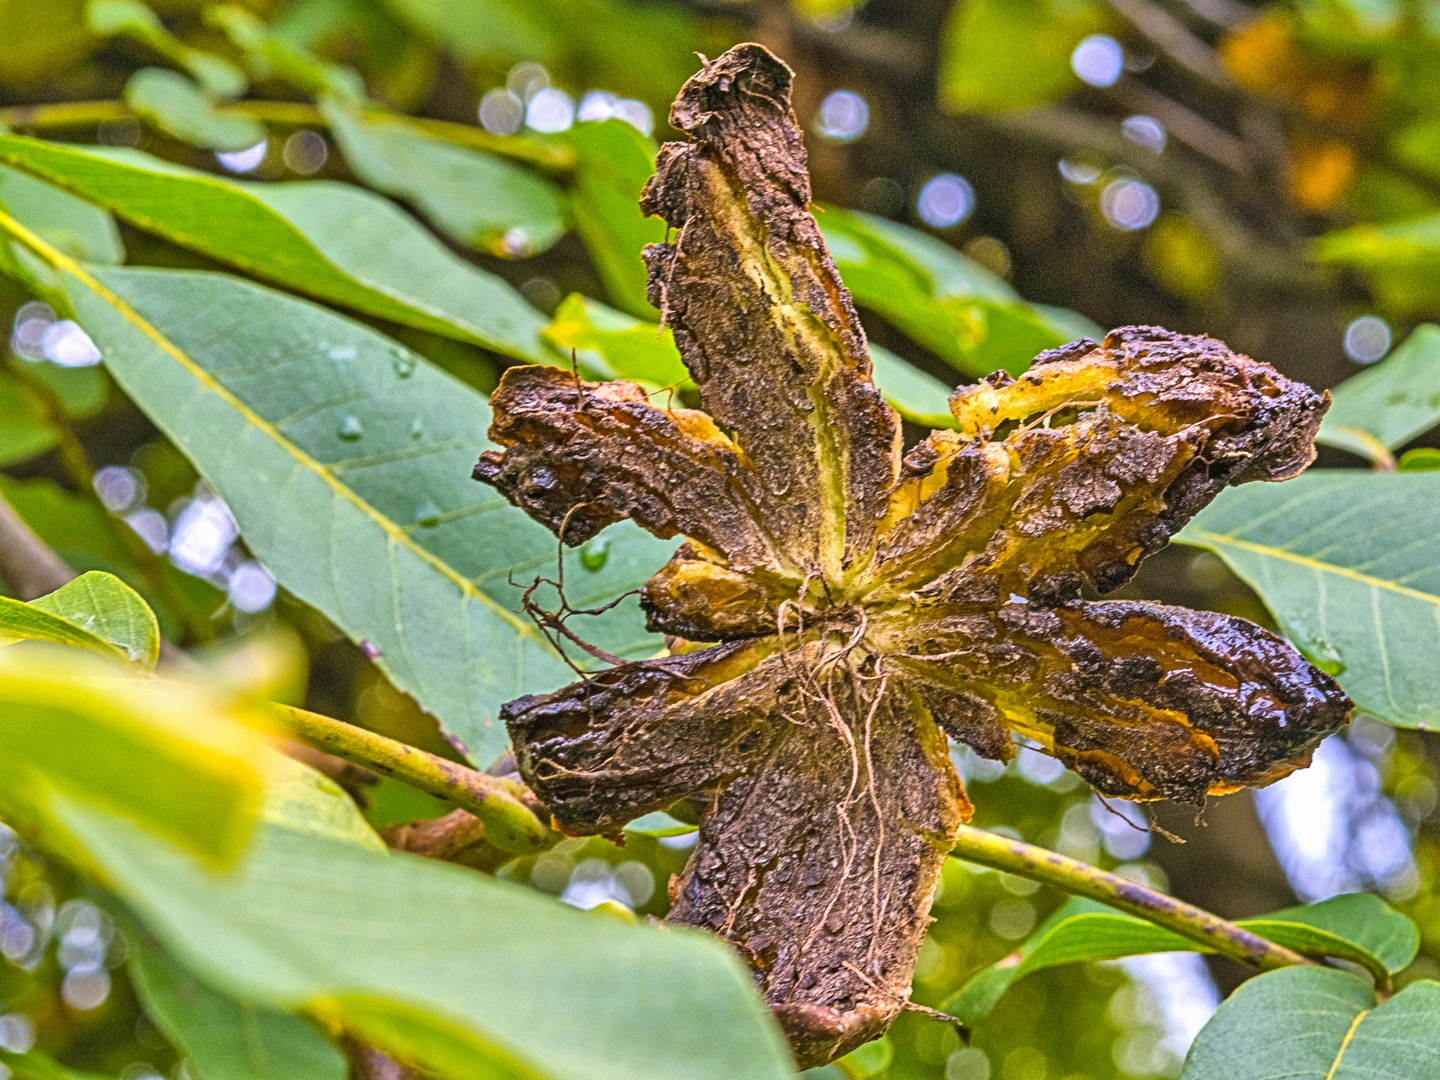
{"x":863,"y":607}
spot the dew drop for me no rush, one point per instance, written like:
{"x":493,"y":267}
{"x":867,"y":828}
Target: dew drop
{"x":427,"y":514}
{"x":350,"y":429}
{"x":417,"y":429}
{"x":342,"y":352}
{"x":595,"y":552}
{"x":403,"y":363}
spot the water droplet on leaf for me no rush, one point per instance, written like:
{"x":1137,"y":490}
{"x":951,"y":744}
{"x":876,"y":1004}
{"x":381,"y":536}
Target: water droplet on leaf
{"x":427,"y":514}
{"x":350,"y":429}
{"x":595,"y":552}
{"x":342,"y":352}
{"x":403,"y":363}
{"x":417,"y":428}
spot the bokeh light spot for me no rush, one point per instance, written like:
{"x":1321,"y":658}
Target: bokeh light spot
{"x":945,"y":201}
{"x":550,"y":111}
{"x":1367,"y":339}
{"x":502,"y":112}
{"x":1129,"y":204}
{"x":243,"y":161}
{"x":1144,"y":131}
{"x":1098,"y":60}
{"x":843,"y":117}
{"x":305,"y":152}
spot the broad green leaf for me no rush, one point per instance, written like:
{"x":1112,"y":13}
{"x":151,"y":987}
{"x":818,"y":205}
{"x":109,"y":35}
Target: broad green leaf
{"x":178,"y":107}
{"x":459,"y":973}
{"x":999,"y":55}
{"x":1357,"y":927}
{"x":347,"y":464}
{"x":1421,"y":459}
{"x":329,"y":240}
{"x":302,"y":800}
{"x":948,"y":303}
{"x":612,"y":163}
{"x":1361,"y":918}
{"x":917,"y":395}
{"x":1318,"y":1024}
{"x":613,"y":345}
{"x":1401,"y":260}
{"x":872,"y":1059}
{"x":20,"y":621}
{"x":76,"y":227}
{"x":25,"y":428}
{"x":38,"y":1066}
{"x":105,"y":607}
{"x":135,"y":20}
{"x":1349,"y":564}
{"x":1389,"y":403}
{"x":175,"y":758}
{"x":225,"y":1039}
{"x":476,"y":199}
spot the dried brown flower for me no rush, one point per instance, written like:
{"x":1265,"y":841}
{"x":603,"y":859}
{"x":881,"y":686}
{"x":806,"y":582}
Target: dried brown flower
{"x":864,"y":606}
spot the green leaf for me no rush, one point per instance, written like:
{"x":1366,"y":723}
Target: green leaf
{"x":179,"y":108}
{"x":38,"y":1066}
{"x":1319,"y":1024}
{"x":106,"y":608}
{"x":225,"y":1039}
{"x":660,"y":823}
{"x":453,"y":971}
{"x":1390,"y":403}
{"x":174,"y":758}
{"x":21,"y":622}
{"x":1421,"y":459}
{"x":948,"y":303}
{"x":999,"y":55}
{"x":476,"y":199}
{"x":135,"y":20}
{"x":917,"y":395}
{"x":612,"y":345}
{"x":1349,"y":564}
{"x":302,"y":800}
{"x":272,"y":57}
{"x":1401,"y":260}
{"x":872,"y":1059}
{"x":1360,"y":918}
{"x":612,"y":163}
{"x":76,"y":227}
{"x":25,"y":428}
{"x":329,"y":240}
{"x":354,"y":484}
{"x":42,"y":39}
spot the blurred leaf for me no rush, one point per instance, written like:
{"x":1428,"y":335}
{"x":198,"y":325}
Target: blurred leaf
{"x":872,"y":1059}
{"x":1315,"y":1022}
{"x":998,"y":55}
{"x":1389,"y":403}
{"x":454,"y":971}
{"x":1402,"y":260}
{"x":615,"y":346}
{"x":225,"y":1039}
{"x":1349,"y":564}
{"x":659,"y":823}
{"x":330,"y":240}
{"x":21,"y":622}
{"x":38,"y":1066}
{"x":179,"y":108}
{"x":917,"y":395}
{"x":271,"y":664}
{"x":41,"y":39}
{"x":397,"y":65}
{"x":354,"y":486}
{"x":134,"y":20}
{"x":173,"y":757}
{"x":272,"y":57}
{"x":612,"y":163}
{"x":946,"y":302}
{"x":76,"y":227}
{"x":81,"y":391}
{"x":302,"y":800}
{"x":104,"y":606}
{"x":25,"y":428}
{"x":1421,"y":459}
{"x":476,"y":199}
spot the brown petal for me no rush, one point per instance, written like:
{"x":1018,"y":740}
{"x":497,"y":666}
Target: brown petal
{"x":641,"y":736}
{"x":762,"y":320}
{"x":1092,"y":460}
{"x":1143,"y":700}
{"x":598,"y":452}
{"x":821,"y":864}
{"x":694,"y":598}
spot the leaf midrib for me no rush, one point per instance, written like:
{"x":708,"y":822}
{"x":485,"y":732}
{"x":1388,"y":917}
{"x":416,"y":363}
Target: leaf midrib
{"x":1314,"y":564}
{"x":393,"y":532}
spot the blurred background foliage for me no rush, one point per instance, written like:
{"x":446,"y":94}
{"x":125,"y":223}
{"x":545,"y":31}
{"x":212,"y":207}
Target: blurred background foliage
{"x":1269,"y":175}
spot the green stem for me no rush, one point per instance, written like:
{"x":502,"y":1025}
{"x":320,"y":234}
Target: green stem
{"x":71,"y":114}
{"x":1081,"y":879}
{"x":509,"y":824}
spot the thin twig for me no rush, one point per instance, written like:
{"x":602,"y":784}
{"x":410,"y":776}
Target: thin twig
{"x":28,"y":566}
{"x":1170,"y":36}
{"x":1081,"y":879}
{"x":509,"y":824}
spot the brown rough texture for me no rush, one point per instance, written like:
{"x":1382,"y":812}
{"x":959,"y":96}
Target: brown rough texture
{"x":865,"y":607}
